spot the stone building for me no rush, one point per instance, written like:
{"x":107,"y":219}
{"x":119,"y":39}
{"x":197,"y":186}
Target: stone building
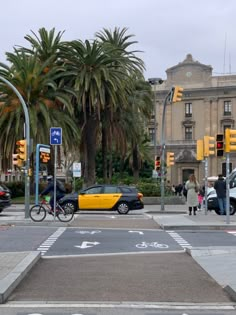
{"x":207,"y":108}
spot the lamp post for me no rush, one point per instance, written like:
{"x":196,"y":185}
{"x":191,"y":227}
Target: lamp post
{"x":155,"y":82}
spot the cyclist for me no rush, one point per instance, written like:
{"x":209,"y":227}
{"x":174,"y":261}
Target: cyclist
{"x":60,"y":190}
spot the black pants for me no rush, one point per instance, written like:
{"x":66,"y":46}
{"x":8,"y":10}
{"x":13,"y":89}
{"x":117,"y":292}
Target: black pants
{"x":194,"y":210}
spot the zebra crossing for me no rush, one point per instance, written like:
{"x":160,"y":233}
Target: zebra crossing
{"x":179,"y":239}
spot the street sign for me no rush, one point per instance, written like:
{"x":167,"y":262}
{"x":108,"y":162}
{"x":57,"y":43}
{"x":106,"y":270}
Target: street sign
{"x":55,"y":136}
{"x":76,"y":169}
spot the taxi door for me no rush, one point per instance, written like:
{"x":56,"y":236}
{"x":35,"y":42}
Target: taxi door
{"x":90,"y":198}
{"x":110,"y":196}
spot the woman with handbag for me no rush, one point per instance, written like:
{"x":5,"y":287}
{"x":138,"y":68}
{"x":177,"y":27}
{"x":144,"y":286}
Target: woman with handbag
{"x":192,"y":187}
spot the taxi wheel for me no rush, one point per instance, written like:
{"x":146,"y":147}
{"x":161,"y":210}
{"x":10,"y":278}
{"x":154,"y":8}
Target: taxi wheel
{"x":123,"y":208}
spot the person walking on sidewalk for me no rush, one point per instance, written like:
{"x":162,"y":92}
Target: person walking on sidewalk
{"x":220,"y":187}
{"x":192,"y":187}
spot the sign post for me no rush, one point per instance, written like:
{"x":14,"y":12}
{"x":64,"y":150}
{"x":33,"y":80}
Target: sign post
{"x":55,"y":139}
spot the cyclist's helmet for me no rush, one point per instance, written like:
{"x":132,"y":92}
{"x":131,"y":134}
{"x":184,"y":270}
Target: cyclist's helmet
{"x":50,"y":177}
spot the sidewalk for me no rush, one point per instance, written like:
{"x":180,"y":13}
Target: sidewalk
{"x":217,"y":261}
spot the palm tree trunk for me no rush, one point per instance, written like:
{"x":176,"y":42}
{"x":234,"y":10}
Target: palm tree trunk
{"x":135,"y":164}
{"x":89,"y":134}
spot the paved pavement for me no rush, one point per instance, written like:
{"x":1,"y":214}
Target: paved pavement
{"x":217,"y":261}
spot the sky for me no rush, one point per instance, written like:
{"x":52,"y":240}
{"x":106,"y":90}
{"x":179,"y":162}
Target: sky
{"x":166,"y":30}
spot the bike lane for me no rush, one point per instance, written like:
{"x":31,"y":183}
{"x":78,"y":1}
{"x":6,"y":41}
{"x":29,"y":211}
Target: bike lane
{"x":75,"y":241}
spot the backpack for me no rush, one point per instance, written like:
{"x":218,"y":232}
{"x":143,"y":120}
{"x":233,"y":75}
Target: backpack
{"x":61,"y":187}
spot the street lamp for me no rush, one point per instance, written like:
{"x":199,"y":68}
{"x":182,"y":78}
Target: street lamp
{"x":155,"y":82}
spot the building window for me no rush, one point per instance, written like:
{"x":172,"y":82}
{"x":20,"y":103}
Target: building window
{"x":188,"y":133}
{"x":227,"y":108}
{"x":188,"y":109}
{"x":151,"y":135}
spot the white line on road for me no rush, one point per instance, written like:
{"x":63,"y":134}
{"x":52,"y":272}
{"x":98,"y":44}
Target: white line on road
{"x":50,"y":241}
{"x":182,"y":242}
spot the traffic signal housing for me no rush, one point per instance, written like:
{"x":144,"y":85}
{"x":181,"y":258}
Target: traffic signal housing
{"x":209,"y":146}
{"x":157,"y":163}
{"x":200,"y":150}
{"x":22,"y":149}
{"x":230,"y":140}
{"x":219,"y":144}
{"x":16,"y":160}
{"x":177,"y":94}
{"x":170,"y":158}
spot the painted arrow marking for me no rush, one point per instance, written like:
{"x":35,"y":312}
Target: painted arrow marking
{"x":88,"y":232}
{"x":87,"y":244}
{"x":139,"y":232}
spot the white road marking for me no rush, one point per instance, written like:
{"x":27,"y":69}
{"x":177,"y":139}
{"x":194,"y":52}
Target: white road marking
{"x":44,"y":247}
{"x":179,"y":239}
{"x":87,"y":244}
{"x":139,"y":232}
{"x":88,"y":232}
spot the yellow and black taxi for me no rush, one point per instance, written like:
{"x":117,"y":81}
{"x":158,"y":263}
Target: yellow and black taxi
{"x":106,"y":197}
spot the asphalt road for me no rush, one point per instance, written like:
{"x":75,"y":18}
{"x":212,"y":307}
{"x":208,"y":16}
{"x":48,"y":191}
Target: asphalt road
{"x":105,"y":265}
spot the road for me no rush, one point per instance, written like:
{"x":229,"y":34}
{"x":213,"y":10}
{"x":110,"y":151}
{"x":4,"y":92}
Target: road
{"x":114,"y":266}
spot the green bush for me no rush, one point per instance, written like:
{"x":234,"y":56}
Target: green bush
{"x":149,"y":189}
{"x":17,"y":188}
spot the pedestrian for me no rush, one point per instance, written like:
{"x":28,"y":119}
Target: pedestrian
{"x":60,"y":190}
{"x":192,"y":187}
{"x":220,"y":187}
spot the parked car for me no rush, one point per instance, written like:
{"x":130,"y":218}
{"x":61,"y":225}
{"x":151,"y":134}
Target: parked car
{"x":212,"y":203}
{"x":105,"y":197}
{"x":5,"y":197}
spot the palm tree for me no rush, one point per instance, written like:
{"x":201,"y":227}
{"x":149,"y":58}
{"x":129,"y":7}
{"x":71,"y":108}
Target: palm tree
{"x":96,"y":79}
{"x":48,"y":105}
{"x":119,"y":42}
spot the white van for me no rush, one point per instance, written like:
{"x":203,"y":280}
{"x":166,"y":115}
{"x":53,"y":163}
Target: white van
{"x":212,"y":201}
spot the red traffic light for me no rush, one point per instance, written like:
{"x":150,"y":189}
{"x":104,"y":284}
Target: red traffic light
{"x":219,"y":145}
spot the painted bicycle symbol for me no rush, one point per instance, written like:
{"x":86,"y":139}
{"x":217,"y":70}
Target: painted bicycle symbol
{"x":152,"y":244}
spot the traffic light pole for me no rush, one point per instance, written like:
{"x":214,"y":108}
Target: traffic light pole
{"x":206,"y":184}
{"x":168,"y":98}
{"x":27,"y":136}
{"x":227,"y":190}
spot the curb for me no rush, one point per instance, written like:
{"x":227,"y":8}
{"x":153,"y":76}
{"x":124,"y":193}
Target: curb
{"x":197,"y":227}
{"x":9,"y":283}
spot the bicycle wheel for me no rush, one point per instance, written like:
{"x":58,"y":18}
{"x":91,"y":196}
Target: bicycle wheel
{"x":65,"y":213}
{"x":37,"y":213}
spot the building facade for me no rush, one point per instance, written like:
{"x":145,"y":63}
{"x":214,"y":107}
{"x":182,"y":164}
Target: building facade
{"x":207,"y":108}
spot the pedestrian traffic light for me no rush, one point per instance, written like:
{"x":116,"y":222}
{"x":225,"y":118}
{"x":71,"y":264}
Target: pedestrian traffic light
{"x":209,"y":146}
{"x":200,"y":150}
{"x":230,"y":140}
{"x":157,"y":163}
{"x":16,"y":160}
{"x":22,"y":149}
{"x":170,"y":158}
{"x":177,"y":94}
{"x":219,"y":144}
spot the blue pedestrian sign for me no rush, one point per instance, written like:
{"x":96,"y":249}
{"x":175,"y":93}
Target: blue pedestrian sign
{"x":55,"y":136}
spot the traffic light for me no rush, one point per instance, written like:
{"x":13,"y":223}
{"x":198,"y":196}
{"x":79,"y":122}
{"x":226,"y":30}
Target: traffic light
{"x":22,"y":149}
{"x":44,"y":157}
{"x":170,"y":158}
{"x":219,"y":144}
{"x":200,"y":150}
{"x":230,"y":140}
{"x":16,"y":160}
{"x":157,"y":163}
{"x":209,"y":146}
{"x":177,"y":94}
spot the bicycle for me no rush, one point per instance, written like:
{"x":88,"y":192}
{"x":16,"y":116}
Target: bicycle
{"x":152,"y":244}
{"x":38,"y":212}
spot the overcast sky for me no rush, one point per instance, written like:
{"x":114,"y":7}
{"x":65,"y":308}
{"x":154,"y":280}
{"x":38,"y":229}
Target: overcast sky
{"x":166,"y":30}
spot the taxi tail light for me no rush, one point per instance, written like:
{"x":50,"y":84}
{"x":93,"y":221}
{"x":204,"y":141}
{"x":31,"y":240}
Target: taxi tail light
{"x":140,"y":196}
{"x":2,"y":193}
